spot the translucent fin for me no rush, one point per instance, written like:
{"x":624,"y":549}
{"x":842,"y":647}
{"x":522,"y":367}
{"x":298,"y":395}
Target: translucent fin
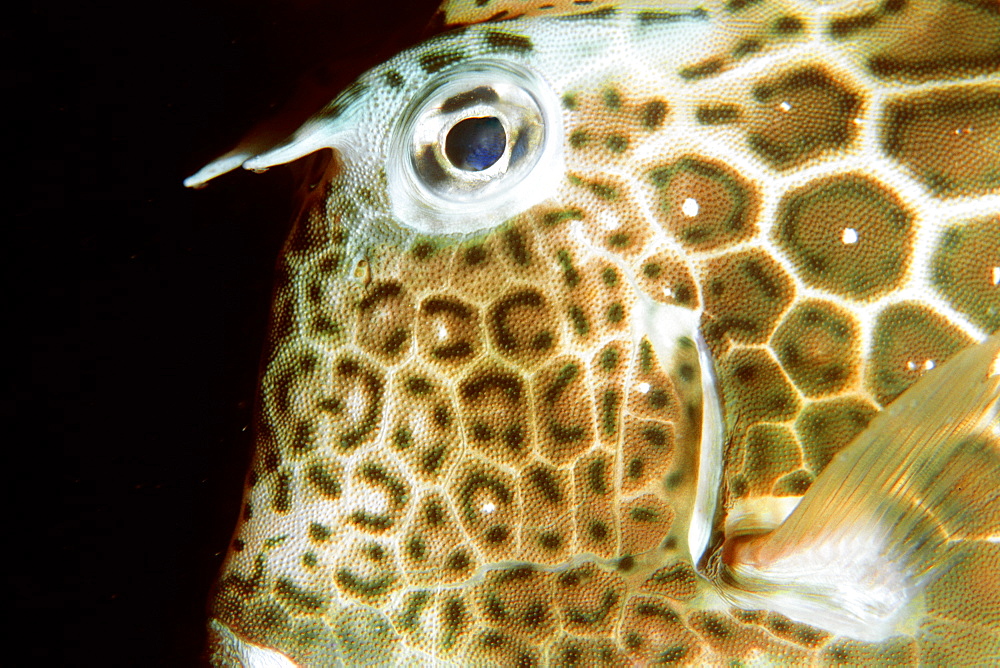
{"x":877,"y":527}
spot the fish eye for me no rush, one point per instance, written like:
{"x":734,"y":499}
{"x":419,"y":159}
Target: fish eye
{"x":462,"y":151}
{"x":474,"y":144}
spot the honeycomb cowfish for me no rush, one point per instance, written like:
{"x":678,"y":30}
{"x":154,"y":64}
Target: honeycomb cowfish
{"x":633,"y":334}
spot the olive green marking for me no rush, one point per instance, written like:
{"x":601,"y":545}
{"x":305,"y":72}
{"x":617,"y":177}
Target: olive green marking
{"x":616,"y":143}
{"x":612,"y":99}
{"x":616,"y":312}
{"x":432,"y":459}
{"x":597,"y":530}
{"x":747,"y":47}
{"x":795,"y":483}
{"x":579,"y":320}
{"x":595,"y":477}
{"x":609,"y":412}
{"x":419,"y":386}
{"x":424,"y":249}
{"x":413,"y":607}
{"x":593,"y":617}
{"x":377,"y":475}
{"x":702,"y":70}
{"x":402,"y":438}
{"x":961,"y":271}
{"x":296,"y":597}
{"x":740,"y":5}
{"x":826,"y":427}
{"x":569,"y":101}
{"x":516,"y":247}
{"x":275,"y":541}
{"x":609,"y":359}
{"x":601,"y":13}
{"x":365,"y":588}
{"x":372,"y":521}
{"x":618,"y":240}
{"x":554,"y":217}
{"x":653,"y":17}
{"x":505,"y":41}
{"x":547,"y":485}
{"x":570,"y":274}
{"x":393,"y":78}
{"x":325,"y":483}
{"x":642,"y":514}
{"x":561,"y":382}
{"x":281,"y":501}
{"x":436,"y":61}
{"x":319,"y":532}
{"x":454,"y":621}
{"x":787,"y":25}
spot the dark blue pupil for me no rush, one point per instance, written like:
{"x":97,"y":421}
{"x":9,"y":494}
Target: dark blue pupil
{"x":475,"y":143}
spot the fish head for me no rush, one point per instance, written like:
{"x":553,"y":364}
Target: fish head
{"x":570,"y":300}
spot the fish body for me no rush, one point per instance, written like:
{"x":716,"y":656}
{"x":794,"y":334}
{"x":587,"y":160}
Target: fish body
{"x":637,"y":334}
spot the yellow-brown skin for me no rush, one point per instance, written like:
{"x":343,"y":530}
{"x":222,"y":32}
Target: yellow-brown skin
{"x":438,"y":374}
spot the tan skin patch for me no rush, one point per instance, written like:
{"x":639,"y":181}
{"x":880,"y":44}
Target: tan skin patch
{"x":433,"y":548}
{"x":771,"y":451}
{"x":755,"y":387}
{"x":910,"y":339}
{"x":705,"y":205}
{"x":488,"y":508}
{"x":524,"y":326}
{"x":548,"y":498}
{"x":667,"y":279}
{"x":819,"y":347}
{"x":826,"y":427}
{"x":846,"y":234}
{"x":966,"y":270}
{"x":564,"y":411}
{"x":948,"y":139}
{"x":652,"y":631}
{"x":903,"y":41}
{"x":745,"y":294}
{"x":802,"y":114}
{"x":448,"y":331}
{"x":596,"y":521}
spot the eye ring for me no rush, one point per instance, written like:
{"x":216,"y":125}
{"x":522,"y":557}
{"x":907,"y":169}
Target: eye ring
{"x":461,"y":153}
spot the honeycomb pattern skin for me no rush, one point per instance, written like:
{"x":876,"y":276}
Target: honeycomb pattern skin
{"x":467,"y":450}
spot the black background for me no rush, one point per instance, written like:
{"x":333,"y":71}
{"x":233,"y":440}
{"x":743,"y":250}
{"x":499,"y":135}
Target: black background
{"x":135,"y":309}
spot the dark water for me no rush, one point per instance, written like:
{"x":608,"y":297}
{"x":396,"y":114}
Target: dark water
{"x":139,"y":307}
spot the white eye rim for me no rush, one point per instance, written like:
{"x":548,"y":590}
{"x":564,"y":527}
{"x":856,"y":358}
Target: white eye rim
{"x":482,"y":176}
{"x":504,"y":195}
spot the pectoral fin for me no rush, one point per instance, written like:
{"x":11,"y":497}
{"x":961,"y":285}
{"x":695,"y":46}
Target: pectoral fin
{"x":861,"y":553}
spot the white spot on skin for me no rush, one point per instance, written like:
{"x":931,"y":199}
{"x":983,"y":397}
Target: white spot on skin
{"x":926,"y":366}
{"x":996,"y":275}
{"x":690,"y":207}
{"x":849,"y":235}
{"x":785,"y":106}
{"x":642,"y":388}
{"x":489,"y":508}
{"x":442,"y":332}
